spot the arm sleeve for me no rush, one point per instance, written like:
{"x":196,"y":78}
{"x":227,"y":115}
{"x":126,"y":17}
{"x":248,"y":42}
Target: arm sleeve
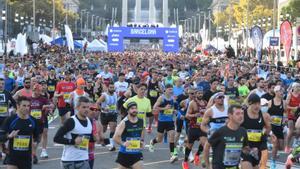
{"x":4,"y":130}
{"x":12,"y":100}
{"x":36,"y":131}
{"x":59,"y":136}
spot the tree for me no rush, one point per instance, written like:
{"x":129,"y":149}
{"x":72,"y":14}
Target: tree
{"x":292,"y":9}
{"x":256,"y":9}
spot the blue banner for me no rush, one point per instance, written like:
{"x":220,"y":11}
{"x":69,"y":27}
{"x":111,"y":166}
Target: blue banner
{"x":274,"y":41}
{"x":116,"y":36}
{"x":257,"y":38}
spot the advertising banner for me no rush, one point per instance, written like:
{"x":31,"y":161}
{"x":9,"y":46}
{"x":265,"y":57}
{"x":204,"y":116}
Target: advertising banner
{"x":286,"y":35}
{"x":257,"y":38}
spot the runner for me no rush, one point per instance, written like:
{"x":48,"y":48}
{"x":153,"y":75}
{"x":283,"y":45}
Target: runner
{"x":130,"y":136}
{"x":78,"y":92}
{"x":143,"y":103}
{"x":195,"y":112}
{"x":293,"y":102}
{"x":276,"y":109}
{"x":258,"y":127}
{"x":26,"y":91}
{"x":228,"y":142}
{"x":62,"y":93}
{"x":51,"y":82}
{"x":165,"y":104}
{"x":216,"y":115}
{"x":153,"y":92}
{"x":108,"y":105}
{"x":39,"y":108}
{"x":75,"y":134}
{"x":21,"y":131}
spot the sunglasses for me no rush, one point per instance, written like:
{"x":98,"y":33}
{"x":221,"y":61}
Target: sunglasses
{"x":27,"y":82}
{"x":220,"y":97}
{"x":191,"y":93}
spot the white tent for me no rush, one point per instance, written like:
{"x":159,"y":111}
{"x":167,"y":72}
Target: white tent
{"x":96,"y":46}
{"x":102,"y":42}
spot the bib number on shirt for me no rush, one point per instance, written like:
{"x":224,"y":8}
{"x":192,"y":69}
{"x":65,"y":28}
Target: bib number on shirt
{"x":3,"y":109}
{"x":168,"y":112}
{"x":232,"y":154}
{"x":134,"y":145}
{"x":36,"y":114}
{"x":51,"y":88}
{"x":21,"y":143}
{"x":199,"y":120}
{"x":254,"y":135}
{"x":276,"y":120}
{"x":112,"y":108}
{"x":153,"y":93}
{"x":84,"y":145}
{"x":67,"y":97}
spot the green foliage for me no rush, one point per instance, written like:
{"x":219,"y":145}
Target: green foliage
{"x":293,"y":8}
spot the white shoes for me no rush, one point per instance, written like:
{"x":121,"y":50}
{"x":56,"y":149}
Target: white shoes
{"x":44,"y":154}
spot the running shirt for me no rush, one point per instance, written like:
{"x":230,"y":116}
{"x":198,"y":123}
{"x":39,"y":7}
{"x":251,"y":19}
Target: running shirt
{"x":195,"y":122}
{"x":227,"y":147}
{"x":132,"y":133}
{"x":218,"y":118}
{"x":243,"y":91}
{"x":20,"y":146}
{"x":110,"y":103}
{"x":36,"y":108}
{"x":254,"y":129}
{"x":66,"y":88}
{"x":166,"y":115}
{"x":276,"y":113}
{"x":294,"y":102}
{"x":51,"y":83}
{"x":121,"y":88}
{"x":25,"y":93}
{"x":232,"y":94}
{"x":81,"y":128}
{"x":5,"y":98}
{"x":153,"y":91}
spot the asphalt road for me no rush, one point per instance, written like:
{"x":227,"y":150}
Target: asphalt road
{"x":106,"y":160}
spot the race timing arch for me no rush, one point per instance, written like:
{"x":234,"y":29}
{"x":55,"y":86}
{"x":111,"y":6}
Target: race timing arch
{"x":116,"y":36}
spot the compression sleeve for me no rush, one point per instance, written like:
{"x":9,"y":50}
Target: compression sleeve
{"x":62,"y":131}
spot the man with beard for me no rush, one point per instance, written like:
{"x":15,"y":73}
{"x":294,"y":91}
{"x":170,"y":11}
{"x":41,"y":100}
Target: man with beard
{"x":195,"y":114}
{"x":130,"y":136}
{"x":108,"y":105}
{"x":26,"y":91}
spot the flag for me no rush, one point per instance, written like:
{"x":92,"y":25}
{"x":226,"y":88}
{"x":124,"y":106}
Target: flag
{"x":286,"y":35}
{"x":69,"y":37}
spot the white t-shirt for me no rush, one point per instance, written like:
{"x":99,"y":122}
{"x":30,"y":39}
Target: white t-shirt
{"x":121,"y":87}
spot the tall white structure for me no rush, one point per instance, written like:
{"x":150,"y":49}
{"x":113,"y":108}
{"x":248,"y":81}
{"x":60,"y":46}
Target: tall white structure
{"x":124,"y":12}
{"x":138,"y":11}
{"x":152,"y":16}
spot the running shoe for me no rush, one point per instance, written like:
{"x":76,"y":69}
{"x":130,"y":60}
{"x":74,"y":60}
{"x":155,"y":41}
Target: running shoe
{"x":151,"y":147}
{"x":196,"y":160}
{"x":34,"y":159}
{"x":273,"y":164}
{"x":44,"y":154}
{"x":112,"y":148}
{"x":173,"y":158}
{"x":191,"y":157}
{"x":149,"y":130}
{"x":289,"y":162}
{"x":185,"y":165}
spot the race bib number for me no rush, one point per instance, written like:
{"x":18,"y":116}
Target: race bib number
{"x":84,"y":145}
{"x":199,"y":120}
{"x":67,"y":97}
{"x":141,"y":115}
{"x":232,"y":102}
{"x":3,"y":109}
{"x":254,"y":135}
{"x":51,"y":88}
{"x":21,"y":143}
{"x":153,"y":93}
{"x":232,"y":154}
{"x":112,"y":108}
{"x":276,"y":120}
{"x":36,"y":114}
{"x":168,"y":111}
{"x":134,"y":145}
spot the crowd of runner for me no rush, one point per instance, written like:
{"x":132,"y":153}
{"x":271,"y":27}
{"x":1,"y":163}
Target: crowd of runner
{"x":236,"y":109}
